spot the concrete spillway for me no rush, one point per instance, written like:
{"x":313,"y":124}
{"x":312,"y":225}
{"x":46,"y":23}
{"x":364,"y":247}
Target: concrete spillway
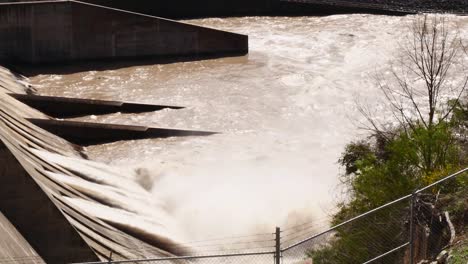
{"x":55,"y":205}
{"x":58,"y":31}
{"x":45,"y":186}
{"x":14,"y":248}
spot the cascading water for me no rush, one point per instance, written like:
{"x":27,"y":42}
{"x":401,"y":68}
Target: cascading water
{"x":285,"y":111}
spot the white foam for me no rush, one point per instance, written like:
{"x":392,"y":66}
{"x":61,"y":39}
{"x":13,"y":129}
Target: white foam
{"x":286,"y":112}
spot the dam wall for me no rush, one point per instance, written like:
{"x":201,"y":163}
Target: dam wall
{"x":14,"y":247}
{"x":62,"y":31}
{"x":52,"y":198}
{"x":34,"y":215}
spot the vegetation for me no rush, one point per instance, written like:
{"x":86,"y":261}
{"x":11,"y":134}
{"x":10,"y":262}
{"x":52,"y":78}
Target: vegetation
{"x":460,"y":253}
{"x":429,"y":143}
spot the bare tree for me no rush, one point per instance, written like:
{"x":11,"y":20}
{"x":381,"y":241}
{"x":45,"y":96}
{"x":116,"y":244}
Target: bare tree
{"x":422,"y":80}
{"x":428,"y":58}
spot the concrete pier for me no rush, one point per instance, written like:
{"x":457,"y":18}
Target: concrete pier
{"x":87,"y":133}
{"x":64,"y":31}
{"x":64,"y":107}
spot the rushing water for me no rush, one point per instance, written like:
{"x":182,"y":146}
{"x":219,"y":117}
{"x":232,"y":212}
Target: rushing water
{"x":285,"y":111}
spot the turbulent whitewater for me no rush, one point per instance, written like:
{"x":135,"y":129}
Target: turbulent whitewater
{"x":285,"y":112}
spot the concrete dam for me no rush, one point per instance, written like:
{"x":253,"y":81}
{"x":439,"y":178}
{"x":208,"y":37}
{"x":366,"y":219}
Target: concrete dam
{"x":46,"y":182}
{"x":56,"y":206}
{"x":76,"y":209}
{"x":65,"y":31}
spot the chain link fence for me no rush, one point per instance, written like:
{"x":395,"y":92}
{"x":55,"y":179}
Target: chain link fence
{"x":412,"y":229}
{"x":437,"y":212}
{"x":380,"y":236}
{"x":259,"y":257}
{"x":409,"y":230}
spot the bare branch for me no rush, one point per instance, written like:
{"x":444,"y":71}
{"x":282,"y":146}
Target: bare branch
{"x":463,"y":89}
{"x":452,"y":228}
{"x":420,"y":81}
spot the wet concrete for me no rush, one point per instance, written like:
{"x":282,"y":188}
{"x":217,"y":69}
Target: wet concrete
{"x":89,"y":133}
{"x":58,"y":201}
{"x":66,"y":107}
{"x":34,"y":215}
{"x":13,"y":246}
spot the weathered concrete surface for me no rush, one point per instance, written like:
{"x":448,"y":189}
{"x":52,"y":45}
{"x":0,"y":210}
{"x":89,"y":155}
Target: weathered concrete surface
{"x":26,"y":205}
{"x":13,"y":246}
{"x":40,"y":229}
{"x":87,"y":133}
{"x":64,"y":107}
{"x":59,"y":31}
{"x":43,"y":180}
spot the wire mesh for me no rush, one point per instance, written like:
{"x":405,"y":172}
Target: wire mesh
{"x":417,"y":226}
{"x":255,"y":258}
{"x":228,"y":245}
{"x":358,"y":241}
{"x":258,"y":248}
{"x":438,"y":211}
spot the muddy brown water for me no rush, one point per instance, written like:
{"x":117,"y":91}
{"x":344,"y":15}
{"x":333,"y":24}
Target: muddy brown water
{"x":285,"y":112}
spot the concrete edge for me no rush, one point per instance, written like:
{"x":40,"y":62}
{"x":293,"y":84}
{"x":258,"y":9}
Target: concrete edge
{"x":117,"y":10}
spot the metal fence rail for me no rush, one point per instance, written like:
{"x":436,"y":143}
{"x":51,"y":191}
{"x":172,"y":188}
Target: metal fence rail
{"x":402,"y":242}
{"x":257,"y":257}
{"x":378,"y":236}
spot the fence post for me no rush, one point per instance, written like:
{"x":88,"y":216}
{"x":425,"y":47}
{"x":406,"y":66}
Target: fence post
{"x":411,"y":242}
{"x":278,"y":246}
{"x":110,"y":257}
